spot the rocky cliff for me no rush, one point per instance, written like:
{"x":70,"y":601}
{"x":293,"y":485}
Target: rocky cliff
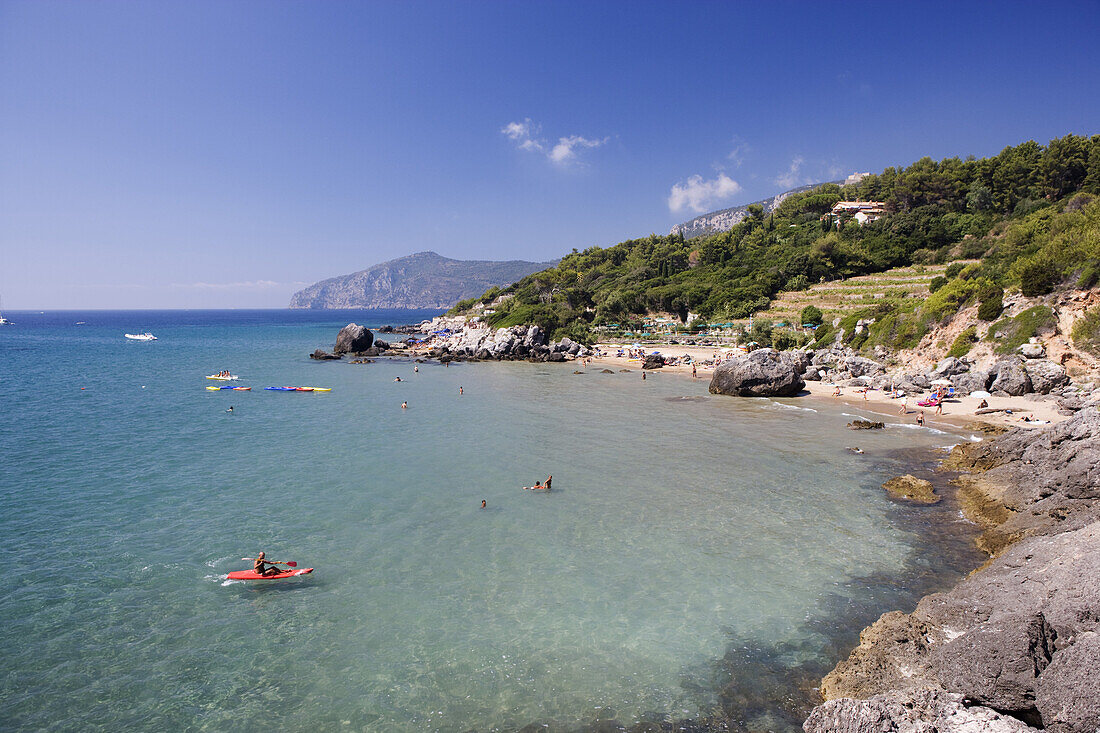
{"x":1016,"y":645}
{"x":422,"y":280}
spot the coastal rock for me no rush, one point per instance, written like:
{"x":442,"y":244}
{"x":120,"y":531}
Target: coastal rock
{"x":607,"y":371}
{"x":949,"y":367}
{"x":1066,"y":689}
{"x":353,"y":338}
{"x":1045,"y":376}
{"x":923,"y":711}
{"x":911,"y":488}
{"x":1010,"y":377}
{"x":972,"y":381}
{"x":759,"y":374}
{"x":798,"y":359}
{"x":653,"y":361}
{"x":386,"y":329}
{"x":1033,"y":351}
{"x":322,"y":355}
{"x":866,"y":425}
{"x":859,"y":366}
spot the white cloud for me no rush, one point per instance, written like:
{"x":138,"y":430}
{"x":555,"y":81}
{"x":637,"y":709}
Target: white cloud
{"x":740,"y":149}
{"x":792,"y":177}
{"x":701,"y":196}
{"x":564,"y":151}
{"x":526,"y":136}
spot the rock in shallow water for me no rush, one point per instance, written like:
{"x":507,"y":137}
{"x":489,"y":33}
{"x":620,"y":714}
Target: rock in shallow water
{"x":759,"y":374}
{"x":911,"y":488}
{"x":353,"y":338}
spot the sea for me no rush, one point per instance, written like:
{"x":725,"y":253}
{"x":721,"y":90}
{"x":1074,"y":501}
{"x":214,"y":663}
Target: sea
{"x":700,"y":558}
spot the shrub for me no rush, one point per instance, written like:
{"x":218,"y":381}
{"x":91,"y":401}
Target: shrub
{"x":991,"y":304}
{"x":1086,"y":331}
{"x":963,"y":343}
{"x":1037,"y":276}
{"x":937,"y":282}
{"x":811,"y":316}
{"x":1090,"y":274}
{"x":1012,"y":333}
{"x":798,"y":282}
{"x":954,"y":269}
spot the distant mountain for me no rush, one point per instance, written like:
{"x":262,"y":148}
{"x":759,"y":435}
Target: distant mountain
{"x":422,"y":280}
{"x":726,"y":219}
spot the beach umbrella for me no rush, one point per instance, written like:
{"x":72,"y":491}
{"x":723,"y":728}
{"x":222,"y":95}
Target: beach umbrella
{"x":980,"y":394}
{"x":944,"y":382}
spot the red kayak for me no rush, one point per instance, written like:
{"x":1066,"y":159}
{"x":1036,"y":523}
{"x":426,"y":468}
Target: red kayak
{"x":253,"y":575}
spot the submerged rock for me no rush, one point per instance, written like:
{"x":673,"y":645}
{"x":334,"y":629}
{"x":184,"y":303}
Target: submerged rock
{"x":759,"y":374}
{"x":322,"y":355}
{"x":911,"y":488}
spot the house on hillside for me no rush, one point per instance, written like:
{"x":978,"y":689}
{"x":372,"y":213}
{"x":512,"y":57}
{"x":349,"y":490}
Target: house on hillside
{"x":861,"y":211}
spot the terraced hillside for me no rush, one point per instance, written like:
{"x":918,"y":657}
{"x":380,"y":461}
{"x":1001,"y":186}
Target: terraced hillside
{"x":840,"y":297}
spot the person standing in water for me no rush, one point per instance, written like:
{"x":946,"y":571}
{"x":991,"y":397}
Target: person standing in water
{"x":482,"y":503}
{"x":460,"y":390}
{"x":404,"y":405}
{"x":548,"y":480}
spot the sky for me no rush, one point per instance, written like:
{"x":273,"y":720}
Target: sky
{"x":226,"y":154}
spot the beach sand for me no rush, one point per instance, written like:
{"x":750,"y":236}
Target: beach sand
{"x":958,"y":412}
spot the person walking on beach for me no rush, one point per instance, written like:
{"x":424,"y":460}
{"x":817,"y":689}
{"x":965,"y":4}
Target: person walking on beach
{"x":939,"y":406}
{"x":904,"y":405}
{"x":694,"y":374}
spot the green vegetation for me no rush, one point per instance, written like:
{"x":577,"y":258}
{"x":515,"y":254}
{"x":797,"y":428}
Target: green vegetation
{"x":963,"y":343}
{"x":1029,"y":213}
{"x":811,"y":316}
{"x":1086,"y":332}
{"x":1012,"y":333}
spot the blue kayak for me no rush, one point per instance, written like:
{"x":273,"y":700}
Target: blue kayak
{"x":282,"y":389}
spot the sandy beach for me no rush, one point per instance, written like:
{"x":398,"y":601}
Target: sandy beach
{"x":958,"y":412}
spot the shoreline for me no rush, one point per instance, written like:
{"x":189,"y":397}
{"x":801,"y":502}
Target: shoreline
{"x":958,"y":411}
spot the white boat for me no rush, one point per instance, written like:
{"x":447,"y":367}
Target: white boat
{"x":230,"y":378}
{"x":4,"y":321}
{"x":141,"y":336}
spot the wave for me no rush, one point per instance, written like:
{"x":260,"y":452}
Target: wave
{"x":784,"y":406}
{"x":910,"y":426}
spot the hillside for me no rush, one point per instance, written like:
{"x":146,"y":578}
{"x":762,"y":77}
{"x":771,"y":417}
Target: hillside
{"x":421,"y":280}
{"x":1022,"y":221}
{"x":726,"y":219}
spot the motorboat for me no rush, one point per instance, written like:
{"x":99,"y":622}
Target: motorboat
{"x":141,"y":336}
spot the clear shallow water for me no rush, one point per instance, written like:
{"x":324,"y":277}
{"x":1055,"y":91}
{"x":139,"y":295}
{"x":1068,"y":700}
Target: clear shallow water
{"x":682,"y":527}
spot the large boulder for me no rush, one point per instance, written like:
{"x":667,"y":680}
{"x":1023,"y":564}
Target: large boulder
{"x":972,"y":381}
{"x":798,"y":359}
{"x":1010,"y":377}
{"x":860,"y":366}
{"x":911,"y":488}
{"x":949,"y":367}
{"x":1045,"y":375}
{"x":353,"y":338}
{"x":759,"y":374}
{"x":653,"y":361}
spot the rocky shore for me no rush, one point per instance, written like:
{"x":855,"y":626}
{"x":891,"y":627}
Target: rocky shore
{"x":1015,"y":646}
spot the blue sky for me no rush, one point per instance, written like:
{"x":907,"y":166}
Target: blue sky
{"x":224,"y":154}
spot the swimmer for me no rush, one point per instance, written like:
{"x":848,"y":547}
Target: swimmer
{"x":537,"y":487}
{"x":482,"y":503}
{"x":856,"y":449}
{"x":397,"y":379}
{"x":416,"y":369}
{"x":404,"y":405}
{"x":460,"y":390}
{"x":548,"y":480}
{"x":230,"y":409}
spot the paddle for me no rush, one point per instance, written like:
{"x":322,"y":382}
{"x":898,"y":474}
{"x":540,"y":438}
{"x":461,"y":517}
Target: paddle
{"x":291,"y":563}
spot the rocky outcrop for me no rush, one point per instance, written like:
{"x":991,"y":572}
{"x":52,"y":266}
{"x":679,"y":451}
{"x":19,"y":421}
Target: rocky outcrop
{"x":911,"y":488}
{"x":322,"y":355}
{"x":925,"y":711}
{"x":1022,"y":635}
{"x":759,"y":374}
{"x":463,"y":339}
{"x":352,"y":339}
{"x":653,"y":361}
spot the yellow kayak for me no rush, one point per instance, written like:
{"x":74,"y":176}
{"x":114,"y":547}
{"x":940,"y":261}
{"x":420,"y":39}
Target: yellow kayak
{"x":317,"y":389}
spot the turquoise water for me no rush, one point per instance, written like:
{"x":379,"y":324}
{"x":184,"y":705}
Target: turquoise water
{"x":681,"y":527}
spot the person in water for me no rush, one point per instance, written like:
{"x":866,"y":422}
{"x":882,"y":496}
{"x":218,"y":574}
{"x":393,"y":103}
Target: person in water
{"x":548,"y":480}
{"x":482,"y":503}
{"x":537,"y":487}
{"x":258,"y":566}
{"x":920,"y":418}
{"x":230,"y":409}
{"x":404,"y":405}
{"x":397,"y":379}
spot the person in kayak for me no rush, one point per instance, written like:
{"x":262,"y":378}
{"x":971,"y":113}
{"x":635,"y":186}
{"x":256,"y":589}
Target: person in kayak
{"x":258,"y":566}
